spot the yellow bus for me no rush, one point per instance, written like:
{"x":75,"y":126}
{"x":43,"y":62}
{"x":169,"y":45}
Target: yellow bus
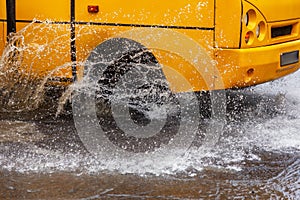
{"x":195,"y":45}
{"x":251,"y":42}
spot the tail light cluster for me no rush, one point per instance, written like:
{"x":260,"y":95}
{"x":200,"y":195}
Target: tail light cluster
{"x":93,"y":9}
{"x":254,"y":28}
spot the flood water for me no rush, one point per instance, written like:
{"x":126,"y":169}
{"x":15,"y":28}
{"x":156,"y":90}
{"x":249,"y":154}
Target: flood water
{"x":257,"y":156}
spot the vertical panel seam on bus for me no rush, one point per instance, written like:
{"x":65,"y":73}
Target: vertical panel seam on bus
{"x":73,"y":41}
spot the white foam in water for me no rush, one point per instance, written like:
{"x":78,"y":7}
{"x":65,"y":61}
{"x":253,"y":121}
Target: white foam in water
{"x":282,"y":131}
{"x":288,"y":181}
{"x":36,"y":159}
{"x":277,"y":133}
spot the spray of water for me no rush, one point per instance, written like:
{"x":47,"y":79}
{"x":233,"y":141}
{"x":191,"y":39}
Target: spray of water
{"x":24,"y":79}
{"x":271,"y":125}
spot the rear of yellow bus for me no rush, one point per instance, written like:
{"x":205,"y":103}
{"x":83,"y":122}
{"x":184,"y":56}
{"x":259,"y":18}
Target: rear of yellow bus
{"x":255,"y":41}
{"x":264,"y":45}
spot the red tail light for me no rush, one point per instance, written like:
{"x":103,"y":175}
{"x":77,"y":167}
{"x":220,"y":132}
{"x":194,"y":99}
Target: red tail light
{"x":93,"y":9}
{"x":247,"y":37}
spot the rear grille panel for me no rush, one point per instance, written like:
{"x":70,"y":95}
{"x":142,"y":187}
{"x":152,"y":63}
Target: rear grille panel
{"x":281,"y":31}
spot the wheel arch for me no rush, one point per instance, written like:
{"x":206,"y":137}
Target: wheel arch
{"x":181,"y":72}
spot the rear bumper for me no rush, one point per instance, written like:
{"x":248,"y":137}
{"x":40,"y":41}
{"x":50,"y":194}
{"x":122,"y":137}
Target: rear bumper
{"x":247,"y":67}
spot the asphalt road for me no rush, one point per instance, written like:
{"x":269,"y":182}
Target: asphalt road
{"x":257,"y":156}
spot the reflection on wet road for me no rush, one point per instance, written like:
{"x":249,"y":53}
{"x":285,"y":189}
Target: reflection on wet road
{"x":257,"y":157}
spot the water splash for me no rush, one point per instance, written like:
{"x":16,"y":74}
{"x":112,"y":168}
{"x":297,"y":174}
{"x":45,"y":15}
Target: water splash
{"x":242,"y":141}
{"x":272,"y":125}
{"x":24,"y":70}
{"x":247,"y":146}
{"x":288,"y":181}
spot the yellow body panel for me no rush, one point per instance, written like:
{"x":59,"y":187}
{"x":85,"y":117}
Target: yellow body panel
{"x":88,"y":37}
{"x":191,"y":13}
{"x":247,"y":67}
{"x":278,"y":10}
{"x":43,"y":10}
{"x":219,"y":29}
{"x":2,"y":24}
{"x":2,"y":37}
{"x":46,"y":55}
{"x":2,"y":9}
{"x":227,"y":27}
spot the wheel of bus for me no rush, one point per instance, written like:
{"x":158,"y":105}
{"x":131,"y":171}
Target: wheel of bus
{"x":134,"y":105}
{"x":142,"y":97}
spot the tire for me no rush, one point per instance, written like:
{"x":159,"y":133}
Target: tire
{"x":145,"y":91}
{"x":124,"y":105}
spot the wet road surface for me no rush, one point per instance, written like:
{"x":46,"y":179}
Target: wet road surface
{"x":257,"y":157}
